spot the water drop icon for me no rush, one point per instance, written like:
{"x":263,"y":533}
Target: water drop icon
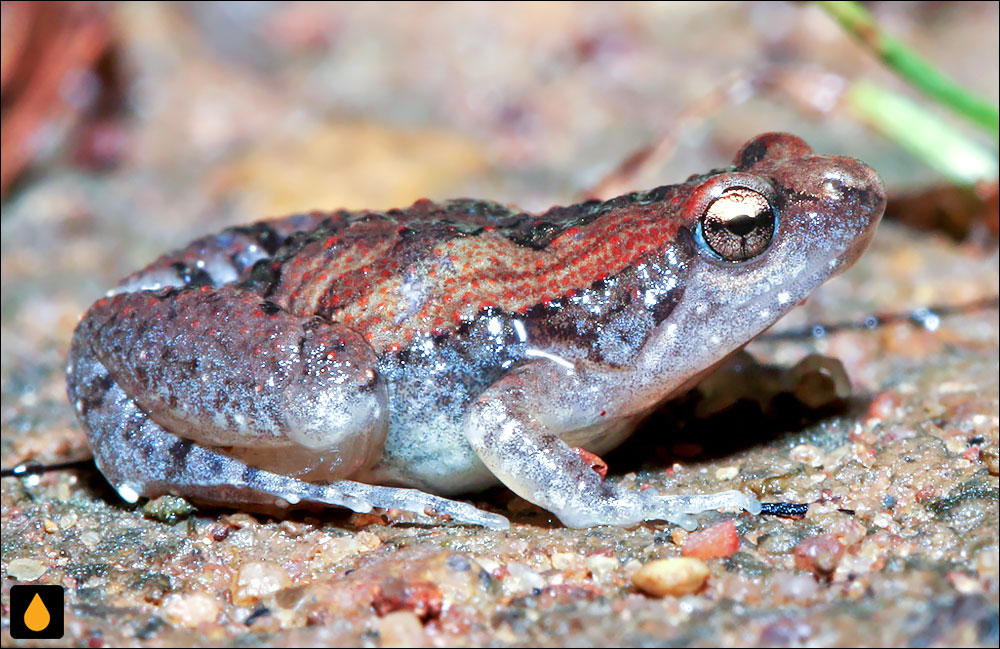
{"x":36,"y":617}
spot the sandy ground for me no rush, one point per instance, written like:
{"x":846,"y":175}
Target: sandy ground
{"x":236,"y":112}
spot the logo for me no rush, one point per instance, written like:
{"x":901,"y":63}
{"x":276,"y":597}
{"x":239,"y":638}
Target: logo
{"x":36,"y":612}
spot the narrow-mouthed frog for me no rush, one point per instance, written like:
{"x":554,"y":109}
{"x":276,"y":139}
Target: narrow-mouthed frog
{"x":374,"y":359}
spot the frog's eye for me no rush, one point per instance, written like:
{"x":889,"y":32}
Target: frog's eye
{"x":739,"y":224}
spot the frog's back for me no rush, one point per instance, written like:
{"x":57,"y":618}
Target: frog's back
{"x":431,"y":269}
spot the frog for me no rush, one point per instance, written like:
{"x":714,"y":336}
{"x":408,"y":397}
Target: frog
{"x":398,"y":359}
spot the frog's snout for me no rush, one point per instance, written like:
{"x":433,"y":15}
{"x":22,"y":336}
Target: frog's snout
{"x":859,"y":191}
{"x":865,"y":185}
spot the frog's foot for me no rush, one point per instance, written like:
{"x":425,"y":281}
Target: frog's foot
{"x":678,"y":509}
{"x":419,"y":502}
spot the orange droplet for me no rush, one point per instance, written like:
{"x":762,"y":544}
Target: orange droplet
{"x":37,"y":616}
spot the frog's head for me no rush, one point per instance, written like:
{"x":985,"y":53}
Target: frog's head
{"x":762,"y":235}
{"x":785,"y":214}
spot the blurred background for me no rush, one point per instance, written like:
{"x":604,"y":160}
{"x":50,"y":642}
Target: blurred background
{"x":131,"y":128}
{"x":240,"y":110}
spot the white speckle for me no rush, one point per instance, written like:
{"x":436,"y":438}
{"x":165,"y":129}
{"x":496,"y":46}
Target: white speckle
{"x":252,"y":248}
{"x":701,"y":309}
{"x":270,"y":381}
{"x":715,"y":340}
{"x":832,"y":187}
{"x":932,"y":322}
{"x":79,"y":405}
{"x":127,"y":493}
{"x":784,"y":297}
{"x":494,"y":326}
{"x":292,"y":499}
{"x":33,"y":480}
{"x":522,"y":335}
{"x":508,"y":429}
{"x":765,"y":313}
{"x":552,"y":357}
{"x":649,"y":299}
{"x":200,"y":263}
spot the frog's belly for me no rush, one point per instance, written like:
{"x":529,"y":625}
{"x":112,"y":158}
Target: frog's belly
{"x":431,"y":453}
{"x":429,"y":397}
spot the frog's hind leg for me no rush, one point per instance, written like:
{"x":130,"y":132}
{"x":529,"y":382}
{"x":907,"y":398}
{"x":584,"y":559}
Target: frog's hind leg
{"x":169,"y":388}
{"x":139,"y":457}
{"x":414,"y":500}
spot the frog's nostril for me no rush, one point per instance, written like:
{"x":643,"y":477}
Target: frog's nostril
{"x":860,"y":176}
{"x":855,"y":182}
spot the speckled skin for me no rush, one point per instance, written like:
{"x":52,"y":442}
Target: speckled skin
{"x":336,"y":357}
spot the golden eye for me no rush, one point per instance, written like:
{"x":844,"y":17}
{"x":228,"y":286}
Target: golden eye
{"x":738,"y":225}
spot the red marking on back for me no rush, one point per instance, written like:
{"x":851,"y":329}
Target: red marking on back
{"x":363,"y":284}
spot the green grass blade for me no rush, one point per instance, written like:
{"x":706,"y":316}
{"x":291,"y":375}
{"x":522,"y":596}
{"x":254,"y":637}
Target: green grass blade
{"x":923,"y":134}
{"x":856,"y":20}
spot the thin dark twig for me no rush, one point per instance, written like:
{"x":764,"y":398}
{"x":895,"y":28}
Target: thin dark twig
{"x":785,"y":510}
{"x":926,"y":317}
{"x":33,"y":468}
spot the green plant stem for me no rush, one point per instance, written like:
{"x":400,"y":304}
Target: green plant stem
{"x":925,"y":135}
{"x":856,"y":20}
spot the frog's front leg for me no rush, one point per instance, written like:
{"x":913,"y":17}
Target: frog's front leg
{"x":516,"y":427}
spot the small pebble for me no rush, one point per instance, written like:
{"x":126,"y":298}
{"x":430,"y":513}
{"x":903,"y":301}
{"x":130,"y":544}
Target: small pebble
{"x":168,"y":509}
{"x":521,"y":578}
{"x":726,"y":472}
{"x":807,"y":454}
{"x":401,"y":629}
{"x":90,"y":539}
{"x":677,"y":576}
{"x":566,"y":560}
{"x":26,"y":569}
{"x":256,"y":579}
{"x":190,"y":610}
{"x":818,"y":554}
{"x":601,"y":566}
{"x":964,"y":583}
{"x":717,"y":541}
